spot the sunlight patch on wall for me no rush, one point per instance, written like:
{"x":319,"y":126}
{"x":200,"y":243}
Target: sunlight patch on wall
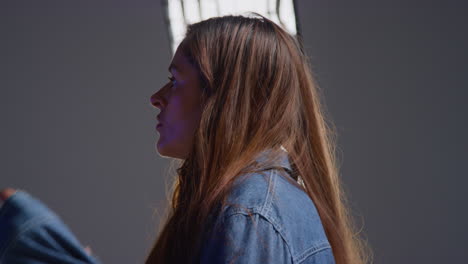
{"x":180,"y":13}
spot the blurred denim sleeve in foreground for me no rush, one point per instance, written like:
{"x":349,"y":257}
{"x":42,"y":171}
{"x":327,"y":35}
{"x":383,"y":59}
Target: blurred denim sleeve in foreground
{"x":30,"y":233}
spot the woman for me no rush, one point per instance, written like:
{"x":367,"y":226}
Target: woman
{"x":241,"y":98}
{"x":258,"y":181}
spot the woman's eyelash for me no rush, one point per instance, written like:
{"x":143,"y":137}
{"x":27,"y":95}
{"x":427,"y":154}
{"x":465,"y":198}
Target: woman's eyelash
{"x":171,"y":78}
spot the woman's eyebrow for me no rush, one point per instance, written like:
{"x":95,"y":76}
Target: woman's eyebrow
{"x":173,"y":66}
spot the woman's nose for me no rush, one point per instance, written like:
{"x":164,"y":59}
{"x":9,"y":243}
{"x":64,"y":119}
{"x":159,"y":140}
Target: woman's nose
{"x":157,"y":99}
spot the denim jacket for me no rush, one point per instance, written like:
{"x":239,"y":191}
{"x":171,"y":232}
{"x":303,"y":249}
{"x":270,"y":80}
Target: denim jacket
{"x":31,"y":233}
{"x":273,"y":222}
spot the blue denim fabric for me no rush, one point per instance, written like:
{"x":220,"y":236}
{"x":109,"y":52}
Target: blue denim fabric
{"x":274,"y":222}
{"x":31,"y":233}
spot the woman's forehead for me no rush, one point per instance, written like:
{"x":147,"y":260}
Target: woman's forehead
{"x":181,"y":63}
{"x":178,"y":61}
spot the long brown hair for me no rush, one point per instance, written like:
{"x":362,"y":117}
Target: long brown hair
{"x":259,"y":93}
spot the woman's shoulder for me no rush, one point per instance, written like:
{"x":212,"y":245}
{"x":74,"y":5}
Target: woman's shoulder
{"x":283,"y":205}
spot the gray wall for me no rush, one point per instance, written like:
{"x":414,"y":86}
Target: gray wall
{"x":395,"y":79}
{"x":77,"y":129}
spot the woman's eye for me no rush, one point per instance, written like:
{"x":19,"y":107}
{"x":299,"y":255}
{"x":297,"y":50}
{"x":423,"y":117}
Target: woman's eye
{"x":172,"y":79}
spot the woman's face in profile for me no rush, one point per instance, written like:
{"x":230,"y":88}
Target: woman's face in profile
{"x":180,"y":104}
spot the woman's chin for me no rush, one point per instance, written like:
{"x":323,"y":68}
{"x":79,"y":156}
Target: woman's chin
{"x":162,"y":149}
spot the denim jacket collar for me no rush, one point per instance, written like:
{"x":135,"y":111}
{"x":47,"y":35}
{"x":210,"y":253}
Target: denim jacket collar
{"x":282,"y":162}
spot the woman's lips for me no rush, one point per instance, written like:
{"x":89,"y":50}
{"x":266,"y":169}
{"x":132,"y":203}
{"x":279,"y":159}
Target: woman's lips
{"x":158,"y":126}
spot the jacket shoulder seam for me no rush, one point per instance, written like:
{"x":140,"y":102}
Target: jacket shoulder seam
{"x":315,"y":249}
{"x":246,"y":214}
